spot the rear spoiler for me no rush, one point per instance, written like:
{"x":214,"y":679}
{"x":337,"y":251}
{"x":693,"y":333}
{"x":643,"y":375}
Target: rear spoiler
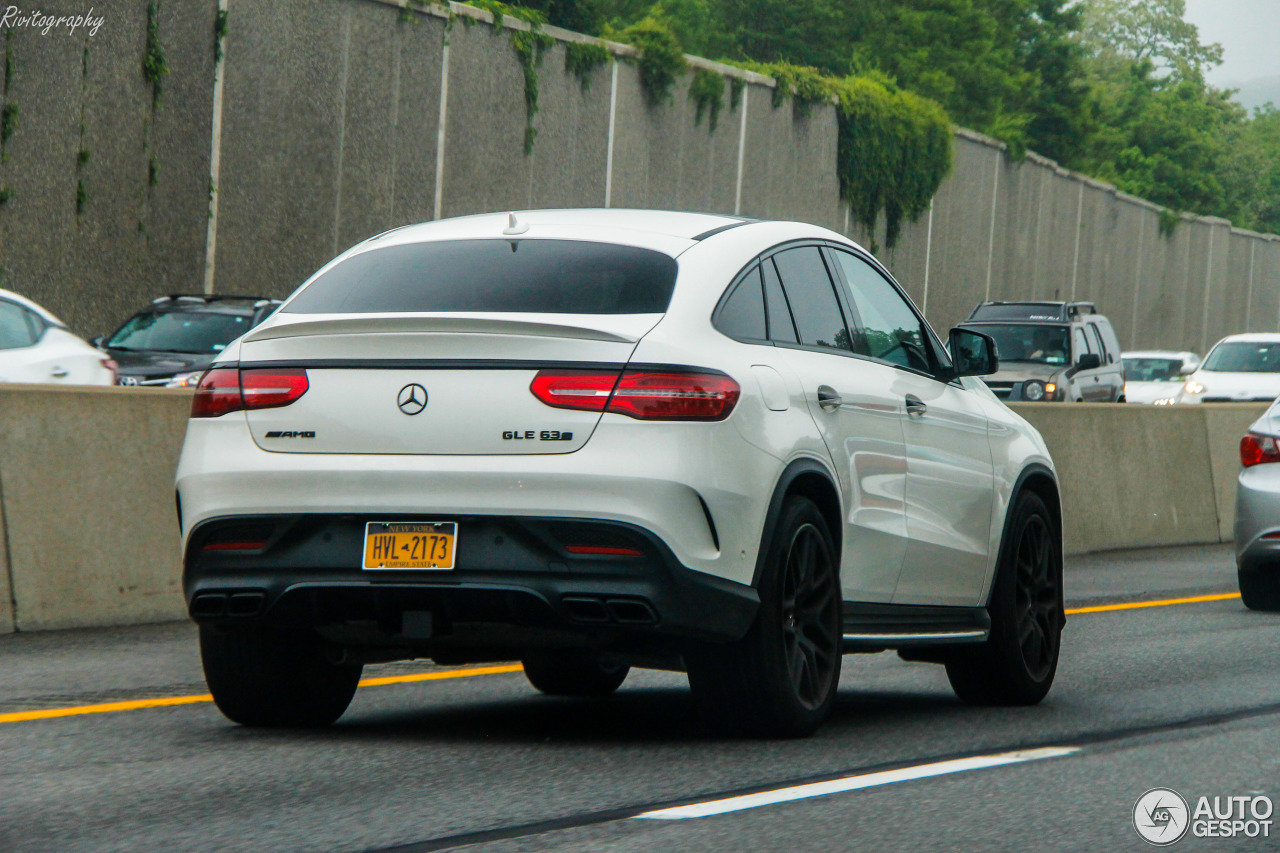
{"x":456,"y":325}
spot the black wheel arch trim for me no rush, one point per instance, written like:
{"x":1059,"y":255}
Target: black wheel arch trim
{"x":1020,"y":484}
{"x":794,"y":470}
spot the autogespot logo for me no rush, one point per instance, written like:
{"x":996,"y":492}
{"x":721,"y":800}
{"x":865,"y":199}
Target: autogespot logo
{"x":412,"y":399}
{"x":1161,"y":817}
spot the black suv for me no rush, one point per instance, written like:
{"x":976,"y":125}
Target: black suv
{"x":1052,"y":352}
{"x":173,"y":340}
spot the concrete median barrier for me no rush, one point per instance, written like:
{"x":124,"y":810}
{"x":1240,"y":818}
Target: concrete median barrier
{"x":86,"y":477}
{"x":88,"y":534}
{"x":1144,"y":476}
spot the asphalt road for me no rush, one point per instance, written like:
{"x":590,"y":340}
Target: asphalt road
{"x":1183,"y":695}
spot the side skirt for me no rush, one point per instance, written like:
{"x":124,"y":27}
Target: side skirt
{"x":870,"y":628}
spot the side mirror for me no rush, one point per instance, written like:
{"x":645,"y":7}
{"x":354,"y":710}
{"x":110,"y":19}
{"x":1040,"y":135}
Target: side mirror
{"x":98,"y":342}
{"x":1187,"y":369}
{"x":973,"y":353}
{"x":1089,"y":361}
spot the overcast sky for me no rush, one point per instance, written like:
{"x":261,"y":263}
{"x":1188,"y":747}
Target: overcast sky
{"x":1249,"y":30}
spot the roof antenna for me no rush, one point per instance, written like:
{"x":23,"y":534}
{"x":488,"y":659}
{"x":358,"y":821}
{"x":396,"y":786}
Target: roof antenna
{"x":514,"y":225}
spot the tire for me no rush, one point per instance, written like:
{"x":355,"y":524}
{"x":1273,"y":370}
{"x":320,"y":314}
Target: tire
{"x":273,"y":678}
{"x":780,"y":679}
{"x":573,"y":673}
{"x":1259,"y":591}
{"x":1017,"y":663}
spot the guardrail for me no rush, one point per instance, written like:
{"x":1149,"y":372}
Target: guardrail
{"x":88,"y":532}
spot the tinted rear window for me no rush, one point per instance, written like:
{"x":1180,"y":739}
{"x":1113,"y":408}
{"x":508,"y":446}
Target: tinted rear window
{"x":539,"y":276}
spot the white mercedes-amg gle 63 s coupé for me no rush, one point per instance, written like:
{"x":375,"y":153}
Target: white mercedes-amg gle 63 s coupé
{"x":590,"y":440}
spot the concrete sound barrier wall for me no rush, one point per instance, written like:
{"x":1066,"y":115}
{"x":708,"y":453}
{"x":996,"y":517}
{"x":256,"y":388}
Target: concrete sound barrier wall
{"x":88,"y":534}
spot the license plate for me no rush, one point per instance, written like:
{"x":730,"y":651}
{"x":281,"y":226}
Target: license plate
{"x":410,"y":544}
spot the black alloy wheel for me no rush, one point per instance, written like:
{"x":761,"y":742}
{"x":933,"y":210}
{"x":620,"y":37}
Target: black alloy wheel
{"x":1017,"y":663}
{"x":809,"y":593}
{"x":780,"y":679}
{"x":1036,"y":593}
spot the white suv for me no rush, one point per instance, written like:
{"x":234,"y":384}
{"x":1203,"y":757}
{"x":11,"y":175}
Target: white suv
{"x":596,"y":439}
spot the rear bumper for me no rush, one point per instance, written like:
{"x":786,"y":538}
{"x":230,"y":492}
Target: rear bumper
{"x":515,"y":587}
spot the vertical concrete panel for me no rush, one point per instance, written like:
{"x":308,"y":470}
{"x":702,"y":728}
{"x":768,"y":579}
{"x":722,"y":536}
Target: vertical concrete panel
{"x":6,"y":589}
{"x":1062,"y":213}
{"x":961,"y":230}
{"x":1224,"y":294}
{"x":1092,"y":266}
{"x":790,"y":164}
{"x":1265,"y":309}
{"x":1240,"y":251}
{"x":281,"y":142}
{"x":571,"y":150}
{"x":417,"y":81}
{"x":1122,"y":244}
{"x":1165,"y":311}
{"x":1018,"y":220}
{"x":130,"y":239}
{"x":1198,"y":294}
{"x":485,"y":167}
{"x":366,"y":168}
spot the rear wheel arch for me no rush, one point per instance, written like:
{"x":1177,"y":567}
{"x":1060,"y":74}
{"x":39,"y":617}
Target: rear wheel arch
{"x":810,"y":479}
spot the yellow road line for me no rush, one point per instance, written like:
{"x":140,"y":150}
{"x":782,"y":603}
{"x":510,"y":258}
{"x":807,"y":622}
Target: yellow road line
{"x":1134,"y":605}
{"x":136,"y":704}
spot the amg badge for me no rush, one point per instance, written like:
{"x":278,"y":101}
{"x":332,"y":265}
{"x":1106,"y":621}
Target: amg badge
{"x":275,"y":433}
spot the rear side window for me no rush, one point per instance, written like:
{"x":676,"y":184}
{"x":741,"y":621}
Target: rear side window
{"x":17,"y":329}
{"x":812,"y":298}
{"x":538,"y":276}
{"x":742,"y":315}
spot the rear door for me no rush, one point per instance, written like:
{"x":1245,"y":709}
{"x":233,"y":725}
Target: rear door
{"x":456,"y":347}
{"x":856,"y":410}
{"x":950,"y":479}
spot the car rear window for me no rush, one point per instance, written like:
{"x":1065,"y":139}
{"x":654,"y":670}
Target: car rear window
{"x":1244,"y":357}
{"x":180,"y":331}
{"x":538,"y":276}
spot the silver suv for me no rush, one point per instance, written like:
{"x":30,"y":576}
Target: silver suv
{"x":1052,"y":352}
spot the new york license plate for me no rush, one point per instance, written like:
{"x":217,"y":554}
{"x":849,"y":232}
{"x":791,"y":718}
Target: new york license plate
{"x":410,"y":544}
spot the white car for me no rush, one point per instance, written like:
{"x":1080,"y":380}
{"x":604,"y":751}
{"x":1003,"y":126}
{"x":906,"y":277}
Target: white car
{"x":1156,"y":375}
{"x":597,"y":439}
{"x":1239,"y":369}
{"x":36,"y":346}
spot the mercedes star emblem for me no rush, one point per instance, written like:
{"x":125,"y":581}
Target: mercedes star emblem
{"x":412,"y":399}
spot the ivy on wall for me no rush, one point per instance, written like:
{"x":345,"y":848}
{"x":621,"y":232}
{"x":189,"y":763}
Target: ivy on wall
{"x":661,"y":61}
{"x":154,"y":64}
{"x":706,"y":89}
{"x":582,"y":58}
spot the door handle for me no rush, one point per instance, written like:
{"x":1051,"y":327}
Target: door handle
{"x":915,"y":406}
{"x":828,"y":399}
{"x":58,"y":372}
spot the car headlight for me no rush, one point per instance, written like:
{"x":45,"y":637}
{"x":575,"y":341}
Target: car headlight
{"x":1033,"y":390}
{"x":1193,"y":387}
{"x":185,"y":380}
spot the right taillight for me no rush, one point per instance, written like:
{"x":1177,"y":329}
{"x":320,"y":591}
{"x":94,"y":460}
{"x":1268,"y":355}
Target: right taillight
{"x":672,"y":395}
{"x":223,"y":390}
{"x":1256,"y":449}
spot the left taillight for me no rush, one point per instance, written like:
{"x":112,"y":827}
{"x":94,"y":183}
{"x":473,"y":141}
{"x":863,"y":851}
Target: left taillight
{"x":1256,"y":449}
{"x":223,"y":390}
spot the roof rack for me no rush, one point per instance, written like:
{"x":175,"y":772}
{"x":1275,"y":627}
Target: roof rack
{"x":1035,"y":310}
{"x":211,"y":297}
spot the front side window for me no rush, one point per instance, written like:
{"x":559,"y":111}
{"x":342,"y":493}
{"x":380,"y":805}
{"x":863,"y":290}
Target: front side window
{"x":1080,"y":342}
{"x":180,"y":331}
{"x":500,"y":276}
{"x":893,"y":332}
{"x":1032,"y":342}
{"x":1244,"y":357}
{"x":812,"y":299}
{"x":16,"y":327}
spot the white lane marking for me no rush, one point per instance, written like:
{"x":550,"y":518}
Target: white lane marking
{"x":854,"y":783}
